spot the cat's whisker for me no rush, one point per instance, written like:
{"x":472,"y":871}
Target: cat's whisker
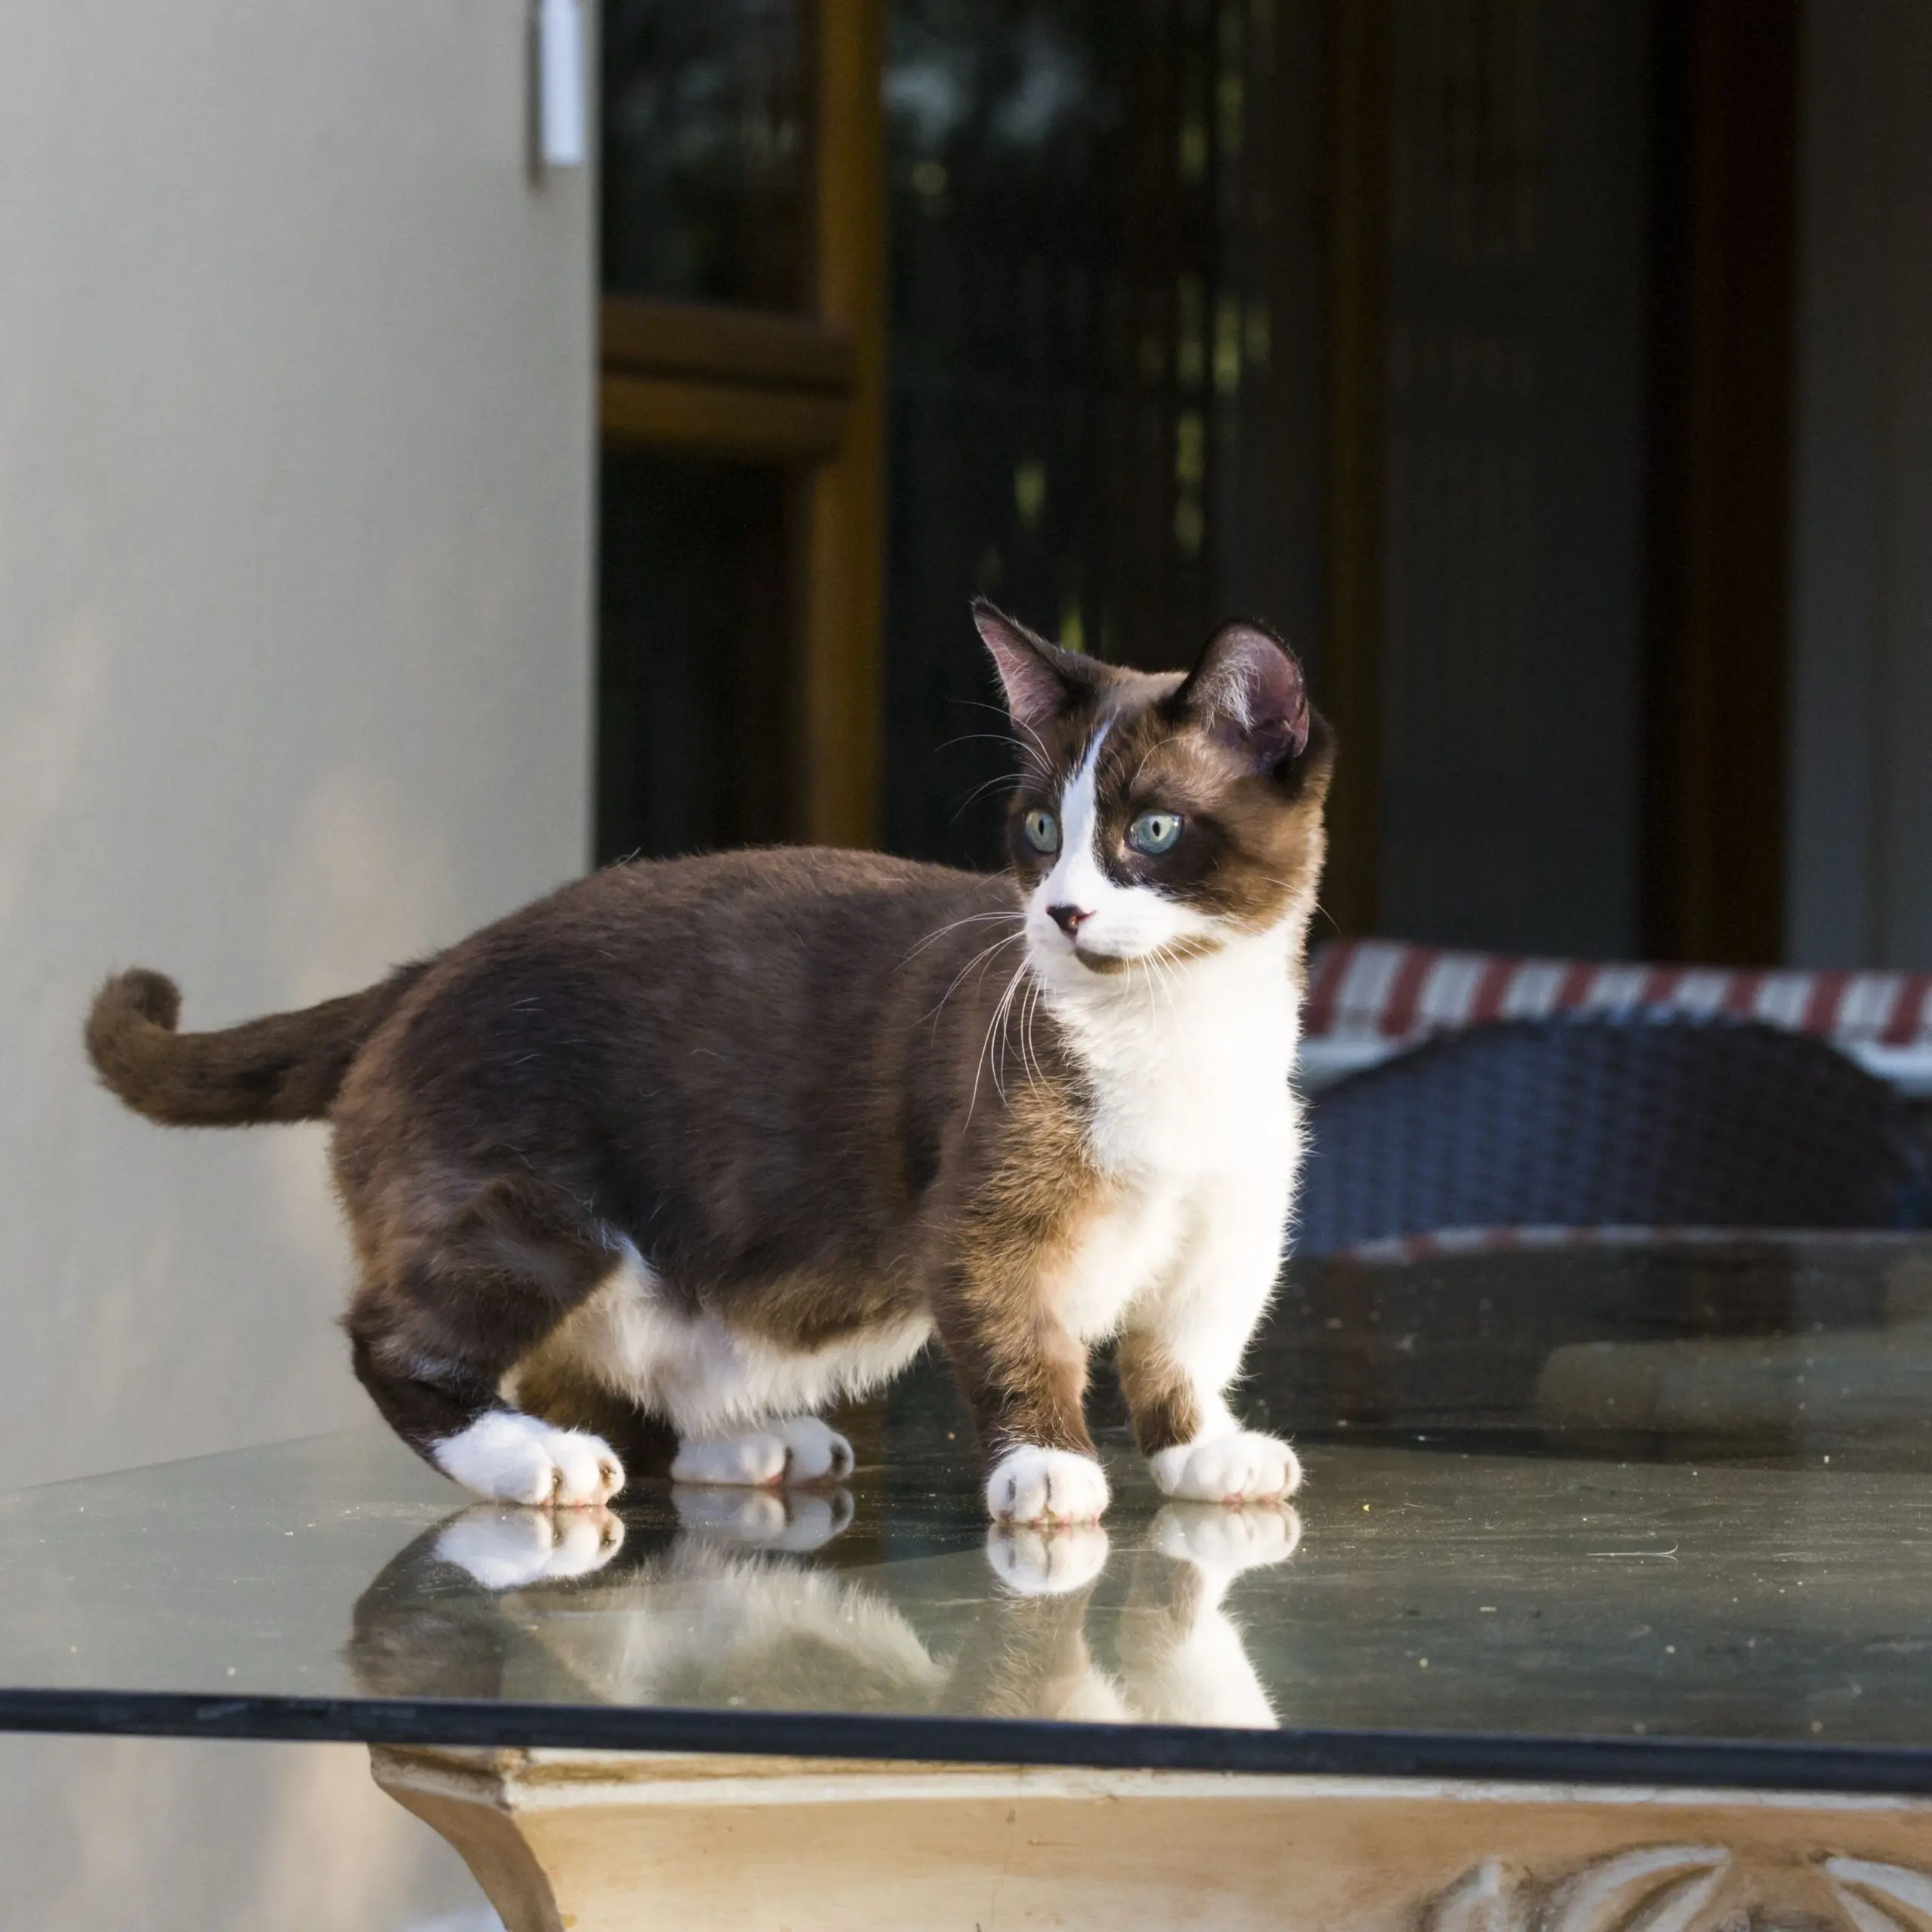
{"x":1018,"y":724}
{"x":971,"y":919}
{"x":1028,"y":1056}
{"x":986,"y":1046}
{"x":1004,"y":1017}
{"x":1158,"y":979}
{"x":1168,"y":965}
{"x":979,"y":959}
{"x":1040,"y":996}
{"x":994,"y":738}
{"x":1156,"y":982}
{"x":1007,"y":781}
{"x":974,"y":738}
{"x":985,"y":952}
{"x":1148,"y":753}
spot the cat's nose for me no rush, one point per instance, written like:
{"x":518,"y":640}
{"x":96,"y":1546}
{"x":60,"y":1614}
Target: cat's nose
{"x":1069,"y":918}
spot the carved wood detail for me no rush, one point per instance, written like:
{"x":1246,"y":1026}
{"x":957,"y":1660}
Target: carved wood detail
{"x":1687,"y":1888}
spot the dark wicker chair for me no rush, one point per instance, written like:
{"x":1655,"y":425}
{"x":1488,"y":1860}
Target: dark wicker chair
{"x":1645,"y":1122}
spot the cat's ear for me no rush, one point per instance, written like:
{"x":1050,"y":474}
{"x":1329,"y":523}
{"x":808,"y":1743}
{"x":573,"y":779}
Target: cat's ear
{"x":1248,"y":693}
{"x":1041,"y":680}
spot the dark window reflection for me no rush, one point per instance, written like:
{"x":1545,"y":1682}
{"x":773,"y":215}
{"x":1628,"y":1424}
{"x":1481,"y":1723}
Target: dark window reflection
{"x":706,"y":150}
{"x":1514,"y":575}
{"x":692,"y":691}
{"x":1105,"y":351}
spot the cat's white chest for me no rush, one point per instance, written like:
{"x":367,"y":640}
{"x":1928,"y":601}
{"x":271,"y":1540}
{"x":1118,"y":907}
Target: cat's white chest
{"x":1194,"y":1122}
{"x":1199,"y":1117}
{"x":1191,"y":1079}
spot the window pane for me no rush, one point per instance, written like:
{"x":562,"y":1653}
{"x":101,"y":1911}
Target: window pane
{"x":1110,"y":405}
{"x":692,"y":695}
{"x":1105,"y":353}
{"x":706,"y":151}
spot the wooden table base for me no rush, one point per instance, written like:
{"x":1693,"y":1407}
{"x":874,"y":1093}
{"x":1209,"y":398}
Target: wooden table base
{"x":595,"y":1843}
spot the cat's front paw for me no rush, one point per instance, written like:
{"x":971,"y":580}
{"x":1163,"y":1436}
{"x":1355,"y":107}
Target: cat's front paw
{"x":1030,"y":1485}
{"x":505,"y":1549}
{"x":1033,"y":1562}
{"x":511,"y":1457}
{"x":1226,"y":1541}
{"x":1241,"y":1468}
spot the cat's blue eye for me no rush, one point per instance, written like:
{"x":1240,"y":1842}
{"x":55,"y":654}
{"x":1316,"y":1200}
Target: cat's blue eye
{"x":1155,"y":832}
{"x":1042,"y":831}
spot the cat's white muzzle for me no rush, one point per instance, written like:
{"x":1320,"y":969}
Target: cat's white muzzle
{"x":1130,"y":925}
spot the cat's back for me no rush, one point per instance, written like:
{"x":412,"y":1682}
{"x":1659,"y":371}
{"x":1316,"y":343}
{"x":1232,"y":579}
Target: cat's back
{"x":841,"y":911}
{"x":809,"y":882}
{"x":710,"y":902}
{"x":722,"y":952}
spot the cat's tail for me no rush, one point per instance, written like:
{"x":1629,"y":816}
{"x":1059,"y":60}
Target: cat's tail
{"x":285,"y":1067}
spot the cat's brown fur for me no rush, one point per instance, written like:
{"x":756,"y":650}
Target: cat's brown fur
{"x":784,"y":1080}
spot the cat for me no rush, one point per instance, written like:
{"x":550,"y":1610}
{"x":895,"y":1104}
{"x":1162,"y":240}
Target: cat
{"x":673,"y":1159}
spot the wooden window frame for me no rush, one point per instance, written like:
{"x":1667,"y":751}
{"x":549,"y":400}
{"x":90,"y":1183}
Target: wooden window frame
{"x":806,"y":392}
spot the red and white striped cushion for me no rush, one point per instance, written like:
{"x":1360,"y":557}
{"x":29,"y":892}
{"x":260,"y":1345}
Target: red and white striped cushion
{"x":1398,"y":992}
{"x":1369,"y":998}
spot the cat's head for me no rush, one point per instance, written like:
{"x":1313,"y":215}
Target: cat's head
{"x":1159,"y":816}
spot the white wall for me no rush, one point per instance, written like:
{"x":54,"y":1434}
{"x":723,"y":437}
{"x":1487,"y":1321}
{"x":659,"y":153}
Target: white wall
{"x":149,"y":1834}
{"x":1860,"y":882}
{"x":295,"y":474}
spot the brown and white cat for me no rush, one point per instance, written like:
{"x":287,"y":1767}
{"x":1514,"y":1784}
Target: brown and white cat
{"x":673,"y":1159}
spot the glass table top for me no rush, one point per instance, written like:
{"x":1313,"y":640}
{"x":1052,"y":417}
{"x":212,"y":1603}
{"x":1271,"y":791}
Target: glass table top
{"x":1635,"y":1512}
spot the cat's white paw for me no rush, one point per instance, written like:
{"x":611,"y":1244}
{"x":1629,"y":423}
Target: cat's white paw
{"x":799,"y":1449}
{"x":1241,"y":1468}
{"x":1030,"y":1485}
{"x":504,"y":1549}
{"x":511,"y":1457}
{"x":817,"y":1453}
{"x":1032,"y":1562}
{"x":763,"y":1519}
{"x":1212,"y":1536}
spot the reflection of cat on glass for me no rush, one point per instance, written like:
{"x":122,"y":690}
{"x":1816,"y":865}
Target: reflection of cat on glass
{"x":723,"y":1610}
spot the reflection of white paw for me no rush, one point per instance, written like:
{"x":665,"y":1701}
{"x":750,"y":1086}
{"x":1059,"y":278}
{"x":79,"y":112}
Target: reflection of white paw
{"x":763,"y":1519}
{"x":1035,"y":1562}
{"x":1029,"y":1485}
{"x":514,"y":1458}
{"x":1242,"y":1468}
{"x":800,"y":1450}
{"x":504,"y":1549}
{"x":1213,"y":1536}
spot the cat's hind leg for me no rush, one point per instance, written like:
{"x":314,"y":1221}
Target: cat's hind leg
{"x":722,"y":1407}
{"x":799,"y":1449}
{"x":447,"y":1309}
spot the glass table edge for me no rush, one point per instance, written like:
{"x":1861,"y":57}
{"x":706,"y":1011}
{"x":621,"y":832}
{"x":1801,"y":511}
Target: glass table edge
{"x":1475,"y":1757}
